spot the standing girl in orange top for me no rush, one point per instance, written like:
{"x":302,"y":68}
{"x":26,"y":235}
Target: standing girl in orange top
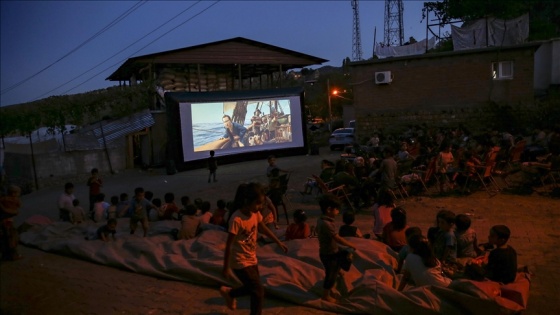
{"x":241,"y":247}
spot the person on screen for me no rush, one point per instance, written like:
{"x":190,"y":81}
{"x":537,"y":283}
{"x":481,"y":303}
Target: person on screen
{"x":272,"y":125}
{"x":234,"y":131}
{"x":256,"y":122}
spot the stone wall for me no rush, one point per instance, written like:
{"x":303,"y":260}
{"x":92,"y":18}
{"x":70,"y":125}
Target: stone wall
{"x":476,"y":119}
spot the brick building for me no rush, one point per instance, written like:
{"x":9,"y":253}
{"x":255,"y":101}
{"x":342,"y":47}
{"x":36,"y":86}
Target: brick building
{"x":446,"y":87}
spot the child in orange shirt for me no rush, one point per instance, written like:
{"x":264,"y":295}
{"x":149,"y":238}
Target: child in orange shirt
{"x":299,"y":229}
{"x":241,"y":247}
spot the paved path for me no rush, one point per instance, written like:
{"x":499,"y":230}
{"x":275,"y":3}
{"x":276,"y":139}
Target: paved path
{"x":51,"y":284}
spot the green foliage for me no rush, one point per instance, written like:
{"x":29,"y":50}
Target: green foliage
{"x":518,"y":118}
{"x":306,"y":71}
{"x":28,"y":121}
{"x":446,"y":44}
{"x":547,"y":111}
{"x":57,"y":111}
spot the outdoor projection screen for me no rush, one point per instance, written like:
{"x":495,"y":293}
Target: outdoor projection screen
{"x":232,"y":123}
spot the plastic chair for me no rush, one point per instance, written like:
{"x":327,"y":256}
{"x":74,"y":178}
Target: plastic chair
{"x":339,"y":191}
{"x":513,"y":160}
{"x":426,"y":175}
{"x":314,"y":189}
{"x":485,"y":173}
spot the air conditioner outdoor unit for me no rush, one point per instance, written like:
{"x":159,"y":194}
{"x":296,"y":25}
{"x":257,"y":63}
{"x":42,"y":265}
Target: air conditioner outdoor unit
{"x":383,"y":77}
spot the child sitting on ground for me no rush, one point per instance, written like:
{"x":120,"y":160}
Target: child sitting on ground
{"x":122,"y":208}
{"x":185,"y":200}
{"x":403,"y":253}
{"x":77,"y":213}
{"x":270,"y":214}
{"x":205,"y":213}
{"x":218,"y":218}
{"x":434,"y":231}
{"x":467,"y":243}
{"x":299,"y":229}
{"x":100,"y":209}
{"x":169,"y":209}
{"x":421,"y":266}
{"x":153,"y":214}
{"x":501,"y":263}
{"x":198,"y":203}
{"x":112,"y":210}
{"x":393,"y":232}
{"x":190,"y":224}
{"x":445,"y":244}
{"x":382,"y":214}
{"x":348,"y":229}
{"x":104,"y":231}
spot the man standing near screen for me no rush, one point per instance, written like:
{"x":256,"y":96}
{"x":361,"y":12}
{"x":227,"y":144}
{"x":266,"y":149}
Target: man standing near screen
{"x":234,"y":132}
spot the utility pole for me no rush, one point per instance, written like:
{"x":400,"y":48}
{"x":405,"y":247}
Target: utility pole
{"x":356,"y":37}
{"x":394,"y":30}
{"x":330,"y":109}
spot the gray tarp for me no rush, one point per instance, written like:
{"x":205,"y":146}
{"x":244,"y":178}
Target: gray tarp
{"x":500,"y":33}
{"x":368,"y":287}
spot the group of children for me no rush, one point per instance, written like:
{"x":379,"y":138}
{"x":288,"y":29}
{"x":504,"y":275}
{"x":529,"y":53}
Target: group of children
{"x":450,"y":250}
{"x":141,"y":209}
{"x":244,"y":225}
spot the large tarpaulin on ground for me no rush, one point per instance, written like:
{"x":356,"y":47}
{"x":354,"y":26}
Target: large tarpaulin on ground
{"x":297,"y":276}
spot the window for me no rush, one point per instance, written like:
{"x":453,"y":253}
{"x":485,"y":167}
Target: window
{"x":502,"y":70}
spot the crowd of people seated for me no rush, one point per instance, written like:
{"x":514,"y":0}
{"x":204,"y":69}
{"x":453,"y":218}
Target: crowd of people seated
{"x":450,"y":159}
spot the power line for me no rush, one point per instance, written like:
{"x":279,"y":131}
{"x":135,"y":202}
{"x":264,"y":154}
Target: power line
{"x":103,"y":30}
{"x":120,"y":51}
{"x":158,"y":38}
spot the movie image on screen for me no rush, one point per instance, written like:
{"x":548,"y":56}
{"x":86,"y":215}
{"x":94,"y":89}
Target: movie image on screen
{"x":238,"y":126}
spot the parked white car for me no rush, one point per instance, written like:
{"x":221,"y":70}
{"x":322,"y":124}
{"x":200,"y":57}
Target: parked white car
{"x":341,"y":137}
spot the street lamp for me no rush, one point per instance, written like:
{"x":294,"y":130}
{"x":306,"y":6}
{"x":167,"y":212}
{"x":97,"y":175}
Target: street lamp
{"x":331,"y":94}
{"x":330,"y":109}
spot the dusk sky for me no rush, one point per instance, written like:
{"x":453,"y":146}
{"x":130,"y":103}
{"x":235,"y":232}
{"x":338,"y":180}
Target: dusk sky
{"x":68,"y":47}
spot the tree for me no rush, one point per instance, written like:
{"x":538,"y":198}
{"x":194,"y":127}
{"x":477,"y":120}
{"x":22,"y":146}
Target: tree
{"x":544,"y":15}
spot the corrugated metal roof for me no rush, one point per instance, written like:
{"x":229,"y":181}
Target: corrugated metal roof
{"x":124,"y":126}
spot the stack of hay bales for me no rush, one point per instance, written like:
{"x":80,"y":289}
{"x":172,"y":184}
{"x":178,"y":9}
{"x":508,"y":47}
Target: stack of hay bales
{"x":171,"y":80}
{"x":178,"y":80}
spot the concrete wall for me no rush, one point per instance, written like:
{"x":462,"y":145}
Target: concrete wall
{"x":55,"y":168}
{"x":547,"y":65}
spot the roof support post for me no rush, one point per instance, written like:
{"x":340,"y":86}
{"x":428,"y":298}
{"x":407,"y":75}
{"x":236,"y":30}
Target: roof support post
{"x":280,"y":76}
{"x":239,"y":76}
{"x":198,"y":75}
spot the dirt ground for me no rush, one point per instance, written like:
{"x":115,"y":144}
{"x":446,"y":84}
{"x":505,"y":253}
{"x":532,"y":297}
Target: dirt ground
{"x":51,"y":284}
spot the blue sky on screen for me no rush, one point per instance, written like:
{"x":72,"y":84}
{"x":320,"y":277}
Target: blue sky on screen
{"x":58,"y":47}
